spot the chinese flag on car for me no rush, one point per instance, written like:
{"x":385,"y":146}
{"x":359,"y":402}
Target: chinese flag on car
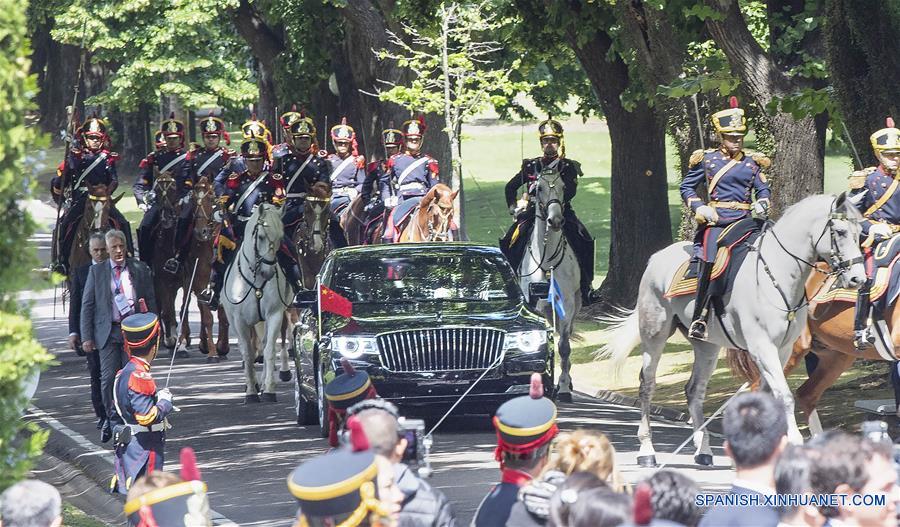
{"x":332,"y":302}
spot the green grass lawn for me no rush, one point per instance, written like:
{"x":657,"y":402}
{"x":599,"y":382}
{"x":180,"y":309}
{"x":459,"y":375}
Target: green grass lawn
{"x":74,"y":517}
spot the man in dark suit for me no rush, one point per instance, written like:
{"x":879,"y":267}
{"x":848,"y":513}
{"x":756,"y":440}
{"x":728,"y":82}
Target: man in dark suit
{"x":113,"y":291}
{"x":755,"y":427}
{"x":97,"y":247}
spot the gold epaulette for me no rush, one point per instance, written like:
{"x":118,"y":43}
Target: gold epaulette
{"x":697,"y":156}
{"x":193,"y":146}
{"x":858,"y":178}
{"x":761,"y":159}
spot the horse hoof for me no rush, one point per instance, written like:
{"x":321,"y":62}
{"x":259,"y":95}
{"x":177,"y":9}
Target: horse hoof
{"x":221,"y":357}
{"x":285,"y":376}
{"x":251,"y":398}
{"x":181,"y":354}
{"x":211,"y":360}
{"x":259,"y":360}
{"x":269,"y":398}
{"x":647,"y":461}
{"x":705,"y":460}
{"x":564,"y":397}
{"x":203,"y":349}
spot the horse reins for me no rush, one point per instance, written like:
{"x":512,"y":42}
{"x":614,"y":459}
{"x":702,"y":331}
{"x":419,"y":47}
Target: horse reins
{"x":540,"y":213}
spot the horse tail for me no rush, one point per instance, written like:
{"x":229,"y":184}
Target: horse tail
{"x":742,"y":366}
{"x":623,"y":335}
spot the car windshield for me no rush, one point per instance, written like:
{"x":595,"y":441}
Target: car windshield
{"x":460,"y":277}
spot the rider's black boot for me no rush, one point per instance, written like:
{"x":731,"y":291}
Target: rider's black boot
{"x":295,"y":278}
{"x":336,"y":233}
{"x":863,"y":336}
{"x":701,"y":305}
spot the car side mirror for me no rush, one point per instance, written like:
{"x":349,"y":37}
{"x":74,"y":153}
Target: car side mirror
{"x":307,"y":298}
{"x":538,"y":290}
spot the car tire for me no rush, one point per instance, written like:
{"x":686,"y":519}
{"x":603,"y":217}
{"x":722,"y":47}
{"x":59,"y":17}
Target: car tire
{"x":305,"y":410}
{"x":322,"y":405}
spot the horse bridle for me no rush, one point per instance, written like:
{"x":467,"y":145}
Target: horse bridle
{"x":433,"y":234}
{"x":316,"y":229}
{"x":201,"y":213}
{"x":541,"y":213}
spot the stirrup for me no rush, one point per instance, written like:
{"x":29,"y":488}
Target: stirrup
{"x":697,"y":329}
{"x":863,"y":338}
{"x":171,"y":266}
{"x":59,"y":268}
{"x":206,"y":296}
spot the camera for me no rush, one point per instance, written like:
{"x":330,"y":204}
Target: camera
{"x":418,"y":445}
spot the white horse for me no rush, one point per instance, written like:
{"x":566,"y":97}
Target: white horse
{"x":548,"y":251}
{"x":255,"y":296}
{"x":763,"y":314}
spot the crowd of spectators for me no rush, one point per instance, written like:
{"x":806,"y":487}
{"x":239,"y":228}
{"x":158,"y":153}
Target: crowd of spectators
{"x":576,"y":483}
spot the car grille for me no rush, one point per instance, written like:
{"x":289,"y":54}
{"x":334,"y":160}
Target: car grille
{"x":440,"y":349}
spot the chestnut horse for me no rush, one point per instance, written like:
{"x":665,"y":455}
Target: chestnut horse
{"x":205,"y":229}
{"x":353,"y":221}
{"x":165,"y":235}
{"x":829,"y":334}
{"x":311,"y":236}
{"x":95,"y":217}
{"x":431,"y":220}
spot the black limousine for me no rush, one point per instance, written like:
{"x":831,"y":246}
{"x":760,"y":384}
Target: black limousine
{"x":427,"y":321}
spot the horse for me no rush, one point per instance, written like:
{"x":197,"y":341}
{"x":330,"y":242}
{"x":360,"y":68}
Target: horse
{"x":204,"y":230}
{"x":353,"y":222}
{"x":255,"y":295}
{"x":431,"y":220}
{"x":311,"y":236}
{"x":829,"y":334}
{"x":165,"y":236}
{"x":95,"y":218}
{"x":763,"y":314}
{"x":549,"y":253}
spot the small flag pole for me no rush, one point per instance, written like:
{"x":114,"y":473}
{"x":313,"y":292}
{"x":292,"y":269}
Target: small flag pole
{"x":319,"y":304}
{"x":553,"y":296}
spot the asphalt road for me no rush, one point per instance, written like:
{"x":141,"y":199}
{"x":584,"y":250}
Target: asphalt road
{"x":245,"y":452}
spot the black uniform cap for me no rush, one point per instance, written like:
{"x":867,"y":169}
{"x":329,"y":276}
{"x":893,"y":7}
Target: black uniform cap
{"x":140,"y":330}
{"x":348,"y":388}
{"x":529,"y":420}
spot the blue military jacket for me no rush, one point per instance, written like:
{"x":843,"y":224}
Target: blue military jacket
{"x":416,"y":181}
{"x":495,"y":507}
{"x":201,"y":162}
{"x":531,"y":169}
{"x":734,"y":186}
{"x":137,"y":404}
{"x":234,"y":180}
{"x":103,"y":173}
{"x":164,"y":160}
{"x":288,"y":162}
{"x":347,"y":172}
{"x":873,"y":183}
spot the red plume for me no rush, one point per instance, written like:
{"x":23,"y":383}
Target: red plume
{"x":343,"y":120}
{"x":889,"y":122}
{"x":172,"y":115}
{"x":253,"y":116}
{"x":189,"y":470}
{"x":145,"y":513}
{"x":227,"y":137}
{"x":294,"y":107}
{"x":536,"y":391}
{"x":733,"y":102}
{"x":391,"y":123}
{"x":348,"y":368}
{"x":358,"y":439}
{"x":643,"y":507}
{"x":210,"y":114}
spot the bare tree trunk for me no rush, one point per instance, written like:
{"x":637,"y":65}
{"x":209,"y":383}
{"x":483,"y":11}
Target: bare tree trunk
{"x":266,"y":43}
{"x":58,"y":86}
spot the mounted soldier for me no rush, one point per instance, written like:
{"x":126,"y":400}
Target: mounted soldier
{"x":170,"y":162}
{"x":732,"y":177}
{"x":515,"y":242}
{"x":876,"y":196}
{"x":408,"y":176}
{"x":89,"y":169}
{"x":347,"y":168}
{"x":301,"y":165}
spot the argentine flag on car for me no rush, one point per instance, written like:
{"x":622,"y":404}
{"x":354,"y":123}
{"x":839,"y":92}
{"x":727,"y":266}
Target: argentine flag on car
{"x":556,"y":297}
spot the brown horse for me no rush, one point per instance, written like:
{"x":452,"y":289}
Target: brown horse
{"x":431,"y":220}
{"x":311,"y":236}
{"x":201,"y":251}
{"x":165,"y":235}
{"x":353,"y":221}
{"x":96,"y":217}
{"x":829,"y":334}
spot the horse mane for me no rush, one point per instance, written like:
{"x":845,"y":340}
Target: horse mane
{"x":320,"y":189}
{"x":437,"y":191}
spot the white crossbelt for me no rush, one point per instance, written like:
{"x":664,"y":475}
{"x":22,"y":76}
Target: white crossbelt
{"x":173,"y":162}
{"x":298,"y":172}
{"x":246,"y":194}
{"x":159,"y":427}
{"x":212,"y":158}
{"x":342,"y":166}
{"x":88,"y":170}
{"x":416,"y":164}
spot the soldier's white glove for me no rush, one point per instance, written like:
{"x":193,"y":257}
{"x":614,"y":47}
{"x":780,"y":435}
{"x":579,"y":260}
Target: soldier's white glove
{"x":186,"y":199}
{"x":513,"y":210}
{"x":880,"y":230}
{"x":761,"y":207}
{"x":391,"y":202}
{"x":164,"y":395}
{"x":217,"y":216}
{"x":707,"y":213}
{"x":144,"y":207}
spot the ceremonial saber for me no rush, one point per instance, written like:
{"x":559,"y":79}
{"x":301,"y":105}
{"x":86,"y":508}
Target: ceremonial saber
{"x":184,"y":309}
{"x":699,"y":121}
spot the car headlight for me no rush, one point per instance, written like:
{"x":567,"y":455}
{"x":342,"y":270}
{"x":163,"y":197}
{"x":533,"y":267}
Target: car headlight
{"x":354,"y":347}
{"x":527,"y":341}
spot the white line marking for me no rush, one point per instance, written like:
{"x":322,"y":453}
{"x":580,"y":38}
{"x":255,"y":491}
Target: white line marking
{"x":94,"y":450}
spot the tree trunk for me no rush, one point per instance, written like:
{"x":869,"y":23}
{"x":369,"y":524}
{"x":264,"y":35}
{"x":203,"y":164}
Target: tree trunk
{"x":864,"y":61}
{"x":58,"y":88}
{"x":640,"y":223}
{"x":132,"y":145}
{"x":268,"y":98}
{"x":798,"y":167}
{"x":266,"y":42}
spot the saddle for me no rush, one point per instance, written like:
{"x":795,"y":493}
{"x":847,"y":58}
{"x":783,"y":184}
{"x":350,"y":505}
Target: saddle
{"x":733,"y":244}
{"x":885,"y":285}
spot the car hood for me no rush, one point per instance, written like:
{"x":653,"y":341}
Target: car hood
{"x":376,"y":318}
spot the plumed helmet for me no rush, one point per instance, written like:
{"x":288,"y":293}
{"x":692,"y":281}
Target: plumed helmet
{"x":93,"y":127}
{"x":413,"y":127}
{"x":526,"y":423}
{"x":254,"y":128}
{"x":343,"y":131}
{"x":255,"y":148}
{"x":887,"y":139}
{"x":172,"y":126}
{"x":730,"y":121}
{"x":391,"y":136}
{"x":550,"y":128}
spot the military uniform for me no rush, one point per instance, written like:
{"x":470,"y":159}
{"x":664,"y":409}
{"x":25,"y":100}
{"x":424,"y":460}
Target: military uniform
{"x":83,"y":170}
{"x":732,"y":183}
{"x":516,"y":240}
{"x":301,"y":170}
{"x":347,"y":173}
{"x":876,"y":197}
{"x":408,"y":177}
{"x":140,"y":438}
{"x":342,"y":392}
{"x":339,"y":488}
{"x":156,"y":163}
{"x":376,"y":172}
{"x":525,"y":426}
